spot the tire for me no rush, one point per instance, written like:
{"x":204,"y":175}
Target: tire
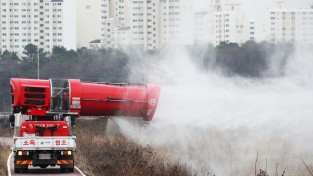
{"x":20,"y":168}
{"x":71,"y":170}
{"x":67,"y":168}
{"x":63,"y":170}
{"x":17,"y":170}
{"x":25,"y":170}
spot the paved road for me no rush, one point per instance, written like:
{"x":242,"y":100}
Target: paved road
{"x":47,"y":171}
{"x":36,"y":170}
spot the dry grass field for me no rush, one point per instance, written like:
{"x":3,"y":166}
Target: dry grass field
{"x":99,"y":153}
{"x":5,"y":130}
{"x":4,"y":153}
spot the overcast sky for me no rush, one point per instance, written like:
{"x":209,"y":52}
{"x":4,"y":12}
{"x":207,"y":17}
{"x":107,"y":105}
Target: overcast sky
{"x":70,"y":24}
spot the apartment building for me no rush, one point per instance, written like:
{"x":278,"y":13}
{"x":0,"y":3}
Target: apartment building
{"x":148,"y":24}
{"x":39,"y":22}
{"x":204,"y":27}
{"x":112,"y":17}
{"x":133,"y":23}
{"x":176,"y":22}
{"x":143,"y":15}
{"x":223,"y":22}
{"x":123,"y":37}
{"x":289,"y":25}
{"x":229,"y":24}
{"x":250,"y":30}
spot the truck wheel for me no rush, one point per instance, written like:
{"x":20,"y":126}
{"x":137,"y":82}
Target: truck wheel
{"x":67,"y":168}
{"x":17,"y":170}
{"x":63,"y":170}
{"x":20,"y":168}
{"x":25,"y":170}
{"x":71,"y":170}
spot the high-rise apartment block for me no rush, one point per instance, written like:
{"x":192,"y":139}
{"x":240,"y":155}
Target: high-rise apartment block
{"x":39,"y":22}
{"x":204,"y":27}
{"x":223,"y":22}
{"x":229,"y":26}
{"x":176,"y":23}
{"x":130,"y":23}
{"x":290,"y":25}
{"x":152,"y":24}
{"x":146,"y":24}
{"x":250,"y":29}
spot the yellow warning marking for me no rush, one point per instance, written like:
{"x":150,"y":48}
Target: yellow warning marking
{"x":24,"y":162}
{"x":65,"y":162}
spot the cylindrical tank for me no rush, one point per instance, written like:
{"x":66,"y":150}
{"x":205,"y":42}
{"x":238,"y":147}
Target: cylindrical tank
{"x":102,"y":99}
{"x":55,"y":96}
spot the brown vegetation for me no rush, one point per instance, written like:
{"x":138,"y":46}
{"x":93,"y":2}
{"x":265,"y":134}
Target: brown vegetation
{"x":5,"y":130}
{"x":4,"y":153}
{"x":113,"y":154}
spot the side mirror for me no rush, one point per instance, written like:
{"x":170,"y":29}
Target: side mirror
{"x":12,"y":125}
{"x":12,"y":120}
{"x":73,"y":121}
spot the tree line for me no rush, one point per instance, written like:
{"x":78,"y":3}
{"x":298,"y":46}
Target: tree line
{"x":251,"y":59}
{"x":112,"y":65}
{"x":108,"y":65}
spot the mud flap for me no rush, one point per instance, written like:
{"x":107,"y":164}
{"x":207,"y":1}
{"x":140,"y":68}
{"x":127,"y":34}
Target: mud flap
{"x":21,"y":163}
{"x":66,"y":163}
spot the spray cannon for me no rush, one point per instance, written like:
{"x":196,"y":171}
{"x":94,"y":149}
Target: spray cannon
{"x":44,"y":98}
{"x":43,"y":112}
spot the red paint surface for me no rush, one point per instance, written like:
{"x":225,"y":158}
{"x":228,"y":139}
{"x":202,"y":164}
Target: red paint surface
{"x":29,"y":127}
{"x":93,"y":99}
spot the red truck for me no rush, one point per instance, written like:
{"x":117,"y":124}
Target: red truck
{"x":44,"y":112}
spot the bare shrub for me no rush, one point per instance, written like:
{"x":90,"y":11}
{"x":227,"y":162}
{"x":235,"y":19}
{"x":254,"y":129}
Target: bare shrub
{"x":262,"y":173}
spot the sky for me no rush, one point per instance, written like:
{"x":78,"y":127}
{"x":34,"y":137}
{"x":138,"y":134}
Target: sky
{"x":70,"y":24}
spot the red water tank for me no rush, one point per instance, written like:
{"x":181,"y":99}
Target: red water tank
{"x":55,"y":96}
{"x":119,"y":100}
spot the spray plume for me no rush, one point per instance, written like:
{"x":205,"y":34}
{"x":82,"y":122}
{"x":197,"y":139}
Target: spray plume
{"x":230,"y":125}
